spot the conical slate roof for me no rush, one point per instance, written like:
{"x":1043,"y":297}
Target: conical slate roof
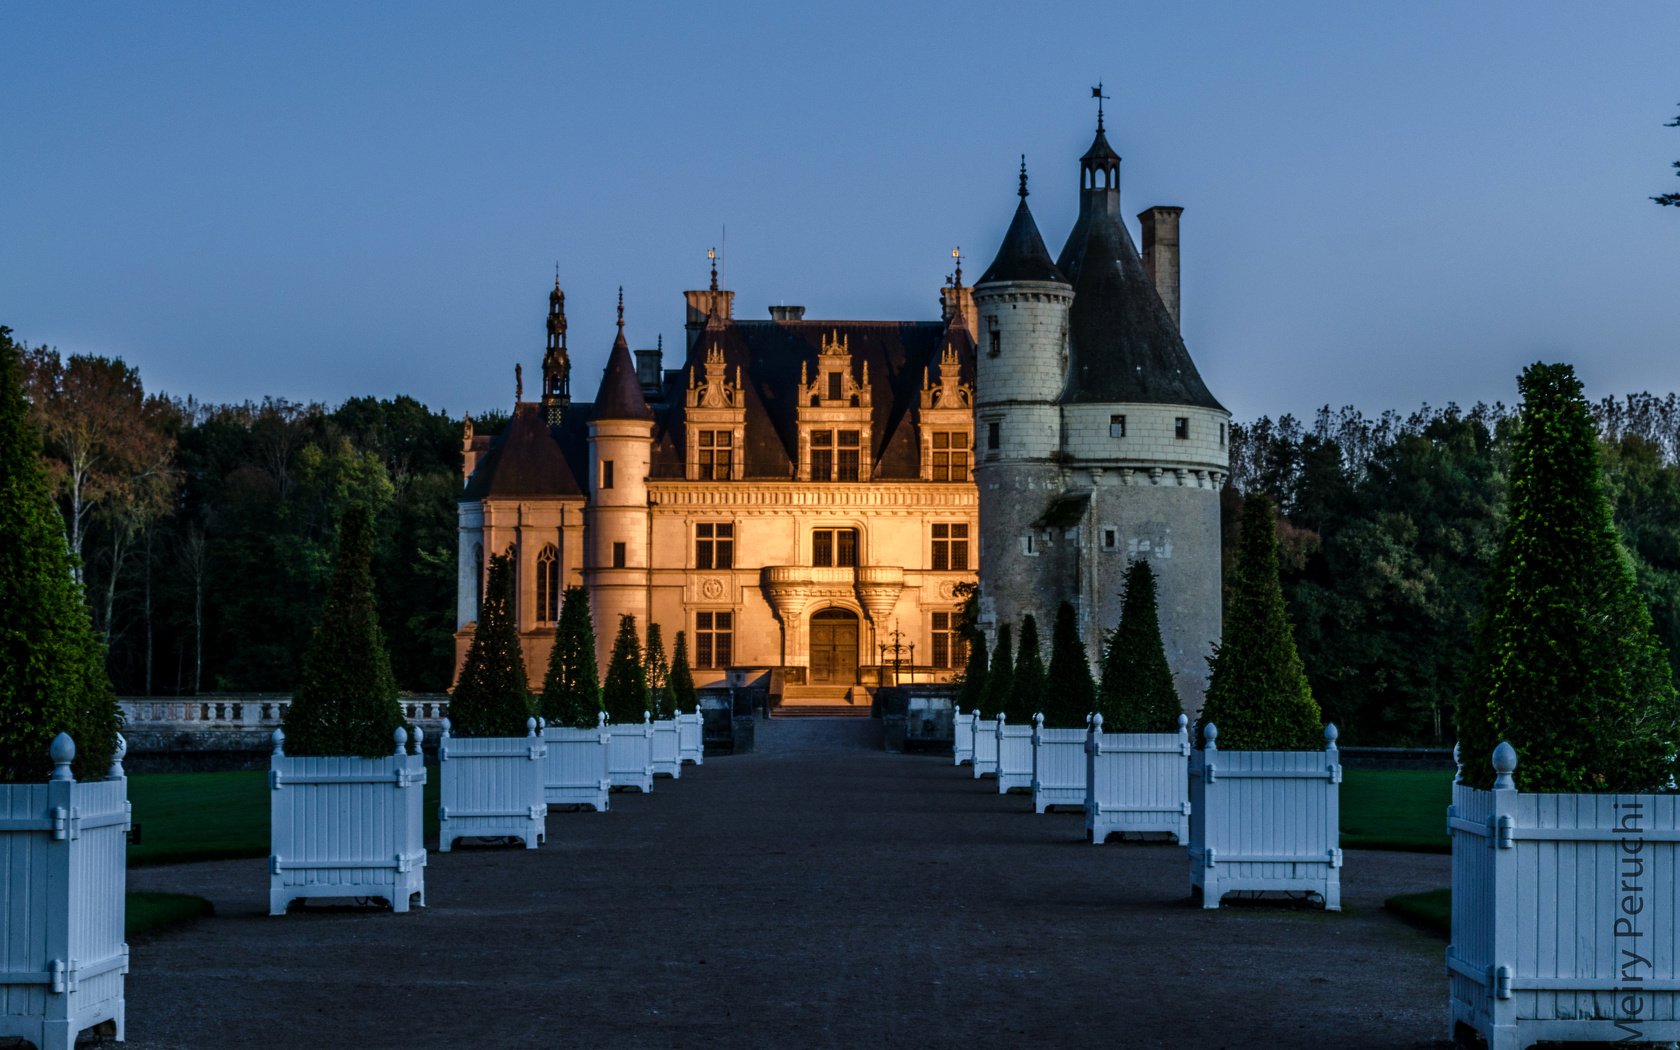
{"x":1022,"y":255}
{"x":620,"y":396}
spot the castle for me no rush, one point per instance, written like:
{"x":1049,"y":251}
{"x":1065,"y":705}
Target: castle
{"x":803,"y":498}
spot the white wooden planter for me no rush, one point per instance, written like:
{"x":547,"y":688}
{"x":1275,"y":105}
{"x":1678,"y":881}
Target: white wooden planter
{"x":1014,"y":756}
{"x":962,"y":742}
{"x":630,"y":754}
{"x":575,"y":771}
{"x":63,"y":874}
{"x":667,"y":754}
{"x":1563,"y":914}
{"x":1058,"y":776}
{"x":691,"y":738}
{"x":347,"y":827}
{"x":492,"y":787}
{"x":1137,"y":782}
{"x":985,"y":747}
{"x":1265,"y":820}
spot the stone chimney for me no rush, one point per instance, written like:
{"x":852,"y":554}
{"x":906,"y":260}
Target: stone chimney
{"x":649,"y":369}
{"x":1160,"y":253}
{"x":700,"y":304}
{"x":787,"y":313}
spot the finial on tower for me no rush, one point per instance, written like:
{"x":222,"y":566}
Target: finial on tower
{"x":621,"y":310}
{"x":956,"y":253}
{"x":711,"y":255}
{"x":1097,"y":94}
{"x":518,"y":383}
{"x":1023,"y":190}
{"x":557,"y":275}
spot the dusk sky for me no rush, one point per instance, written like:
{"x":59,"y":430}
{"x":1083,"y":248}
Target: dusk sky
{"x":1384,"y":204}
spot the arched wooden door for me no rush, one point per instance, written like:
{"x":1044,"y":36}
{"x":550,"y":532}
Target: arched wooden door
{"x":834,"y":647}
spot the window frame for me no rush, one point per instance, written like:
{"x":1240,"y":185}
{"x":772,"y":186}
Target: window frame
{"x":707,"y":633}
{"x":714,"y":545}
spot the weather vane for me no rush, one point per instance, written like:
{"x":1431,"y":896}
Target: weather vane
{"x":956,"y":253}
{"x":1097,"y":94}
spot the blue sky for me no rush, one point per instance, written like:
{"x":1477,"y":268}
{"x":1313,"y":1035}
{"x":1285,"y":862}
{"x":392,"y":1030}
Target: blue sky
{"x":1384,"y":204}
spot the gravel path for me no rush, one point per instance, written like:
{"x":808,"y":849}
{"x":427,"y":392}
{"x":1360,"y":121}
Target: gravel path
{"x":816,"y":893}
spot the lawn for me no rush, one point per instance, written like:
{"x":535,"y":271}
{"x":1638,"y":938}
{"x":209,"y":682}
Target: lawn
{"x":213,"y":816}
{"x":155,"y":911}
{"x":1431,"y":908}
{"x":1395,"y":809}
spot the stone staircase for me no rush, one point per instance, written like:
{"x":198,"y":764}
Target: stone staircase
{"x":823,"y":701}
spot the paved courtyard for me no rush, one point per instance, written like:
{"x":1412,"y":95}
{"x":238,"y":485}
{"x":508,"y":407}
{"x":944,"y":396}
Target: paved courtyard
{"x":816,"y":893}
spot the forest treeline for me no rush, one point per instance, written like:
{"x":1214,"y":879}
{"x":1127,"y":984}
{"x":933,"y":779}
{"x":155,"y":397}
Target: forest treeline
{"x":205,"y":532}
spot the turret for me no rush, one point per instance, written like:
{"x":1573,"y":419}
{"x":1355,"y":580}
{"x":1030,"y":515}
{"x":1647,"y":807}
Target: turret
{"x":616,"y":558}
{"x":556,"y":364}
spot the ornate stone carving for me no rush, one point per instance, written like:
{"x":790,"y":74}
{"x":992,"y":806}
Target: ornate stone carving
{"x":951,"y":391}
{"x":715,"y":391}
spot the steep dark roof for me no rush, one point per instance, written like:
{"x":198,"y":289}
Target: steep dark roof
{"x":1123,"y":345}
{"x":620,"y":396}
{"x":1100,"y":149}
{"x":526,"y":459}
{"x":1022,"y":255}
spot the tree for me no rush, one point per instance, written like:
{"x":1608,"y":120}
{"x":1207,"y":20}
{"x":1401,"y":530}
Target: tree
{"x":1670,"y":199}
{"x":1258,"y":694}
{"x":571,"y":693}
{"x":491,"y":698}
{"x":1000,"y":681}
{"x":1137,"y":694}
{"x":1070,"y":693}
{"x":972,"y":696}
{"x":683,"y":695}
{"x":1566,"y":665}
{"x":1026,"y":692}
{"x":625,"y":695}
{"x":52,"y":666}
{"x":346,"y":701}
{"x":660,"y":698}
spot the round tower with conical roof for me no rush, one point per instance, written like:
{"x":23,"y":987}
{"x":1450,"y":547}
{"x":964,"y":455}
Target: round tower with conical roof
{"x":616,"y":555}
{"x":1020,"y":366}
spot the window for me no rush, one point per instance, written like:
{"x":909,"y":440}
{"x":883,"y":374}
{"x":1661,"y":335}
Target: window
{"x":849,"y":455}
{"x":992,"y":435}
{"x":1029,"y":545}
{"x":822,"y":455}
{"x":606,"y":473}
{"x":834,"y":548}
{"x":834,"y":386}
{"x":995,"y":338}
{"x":1181,"y":427}
{"x":714,"y":545}
{"x":1221,"y":435}
{"x":618,"y":556}
{"x":950,"y":455}
{"x":548,"y":585}
{"x":950,"y":547}
{"x":714,"y":638}
{"x":717,"y":455}
{"x":1116,"y":426}
{"x":949,"y":648}
{"x":478,"y":574}
{"x":836,"y":448}
{"x":1110,"y":538}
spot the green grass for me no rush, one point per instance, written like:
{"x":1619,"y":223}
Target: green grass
{"x":1431,"y":908}
{"x":213,"y":816}
{"x":149,"y":912}
{"x":1400,"y":809}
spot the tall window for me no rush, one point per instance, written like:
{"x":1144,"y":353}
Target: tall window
{"x":548,"y":584}
{"x":714,"y":638}
{"x":1117,"y":426}
{"x":606,"y":473}
{"x":717,"y":454}
{"x":950,"y":455}
{"x":950,"y":547}
{"x":992,"y":436}
{"x":834,"y":548}
{"x":949,"y":648}
{"x":714,"y":545}
{"x":834,"y":386}
{"x":1181,"y":427}
{"x":836,"y":455}
{"x":618,"y":555}
{"x":478,"y":574}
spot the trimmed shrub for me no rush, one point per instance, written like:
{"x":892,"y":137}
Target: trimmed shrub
{"x":346,"y":703}
{"x":1000,"y":681}
{"x":491,"y":697}
{"x":1258,"y":694}
{"x":1070,"y":694}
{"x":972,"y":696}
{"x":683,"y":694}
{"x":1137,"y":694}
{"x":1566,"y":665}
{"x":571,"y":694}
{"x":1026,"y":693}
{"x":661,"y":701}
{"x":52,"y":665}
{"x":625,"y":695}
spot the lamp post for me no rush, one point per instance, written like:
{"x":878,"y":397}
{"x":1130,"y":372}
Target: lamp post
{"x":898,"y":649}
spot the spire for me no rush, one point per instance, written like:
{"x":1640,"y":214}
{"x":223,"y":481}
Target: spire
{"x":1097,"y":94}
{"x":711,"y":254}
{"x":1023,"y":190}
{"x":956,"y":282}
{"x":556,"y":362}
{"x":620,"y":396}
{"x":621,"y":313}
{"x":1022,"y":256}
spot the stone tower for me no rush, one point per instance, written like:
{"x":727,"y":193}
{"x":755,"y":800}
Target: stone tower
{"x":1110,"y":446}
{"x":616,"y":562}
{"x":556,"y":363}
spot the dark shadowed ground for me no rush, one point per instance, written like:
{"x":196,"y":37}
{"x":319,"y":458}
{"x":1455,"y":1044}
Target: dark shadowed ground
{"x":817,"y":893}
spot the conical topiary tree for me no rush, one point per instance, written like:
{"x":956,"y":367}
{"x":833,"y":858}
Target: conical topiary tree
{"x":1069,"y":693}
{"x":1137,"y":694}
{"x":1566,"y":665}
{"x":683,"y":694}
{"x":1257,"y":693}
{"x":346,"y":702}
{"x":1000,"y":680}
{"x":571,"y":694}
{"x":625,"y":695}
{"x":491,"y":697}
{"x":661,"y":701}
{"x":1026,"y":692}
{"x":52,"y":667}
{"x":972,"y":696}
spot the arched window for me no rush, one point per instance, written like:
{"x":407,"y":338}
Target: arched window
{"x":548,"y":584}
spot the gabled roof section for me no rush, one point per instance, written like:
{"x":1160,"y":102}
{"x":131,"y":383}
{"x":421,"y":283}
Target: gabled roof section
{"x":620,"y":396}
{"x":525,"y":460}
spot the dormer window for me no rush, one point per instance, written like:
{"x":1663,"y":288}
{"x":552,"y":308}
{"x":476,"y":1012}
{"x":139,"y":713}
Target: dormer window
{"x":834,"y":393}
{"x":835,"y":415}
